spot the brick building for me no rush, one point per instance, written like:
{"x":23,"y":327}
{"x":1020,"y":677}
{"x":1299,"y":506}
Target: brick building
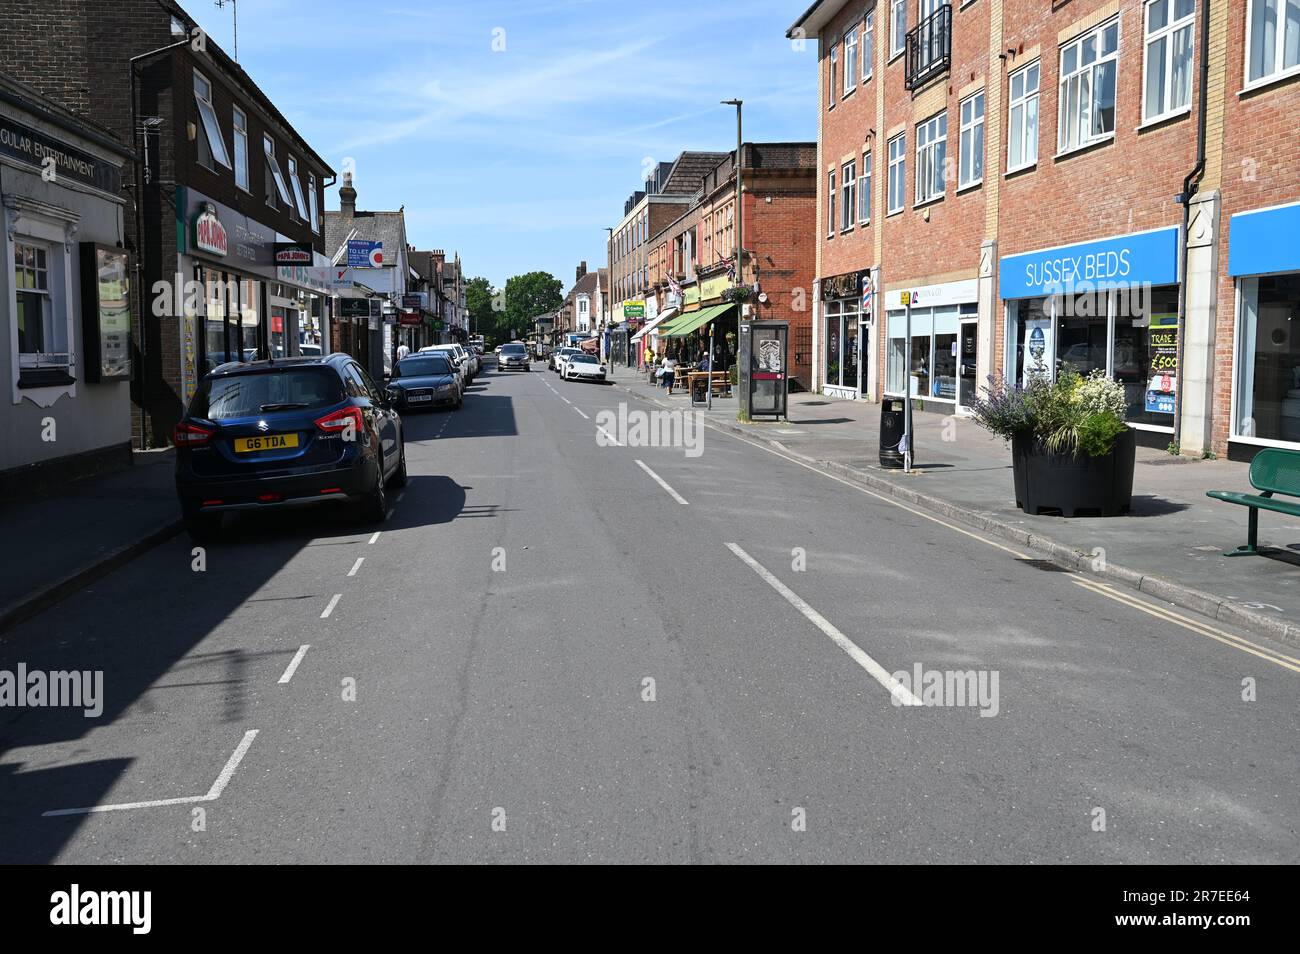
{"x":226,"y":200}
{"x":691,"y":261}
{"x":1014,"y":169}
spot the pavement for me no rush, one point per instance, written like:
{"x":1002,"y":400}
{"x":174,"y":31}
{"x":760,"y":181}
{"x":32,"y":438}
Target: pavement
{"x":56,"y":542}
{"x":1171,"y":545}
{"x":564,"y":645}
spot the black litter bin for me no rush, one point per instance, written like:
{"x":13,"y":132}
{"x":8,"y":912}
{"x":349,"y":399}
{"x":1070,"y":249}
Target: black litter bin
{"x":892,"y":421}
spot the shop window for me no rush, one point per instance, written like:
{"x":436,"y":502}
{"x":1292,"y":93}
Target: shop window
{"x":1145,"y":357}
{"x":212,"y":145}
{"x":1022,"y":123}
{"x":841,"y":352}
{"x":41,"y":313}
{"x":1087,"y":94}
{"x":1081,"y":332}
{"x":1272,"y":39}
{"x":1268,"y":366}
{"x":932,"y":358}
{"x":1167,"y":55}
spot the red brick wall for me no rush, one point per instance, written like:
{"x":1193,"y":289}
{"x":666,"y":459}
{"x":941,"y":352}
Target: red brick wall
{"x":1261,"y":168}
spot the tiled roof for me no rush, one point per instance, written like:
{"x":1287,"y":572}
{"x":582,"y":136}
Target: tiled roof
{"x":386,"y":227}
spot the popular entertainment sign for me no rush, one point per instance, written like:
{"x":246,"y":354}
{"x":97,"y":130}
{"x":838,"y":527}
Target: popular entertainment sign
{"x":44,"y":152}
{"x":1126,"y":261}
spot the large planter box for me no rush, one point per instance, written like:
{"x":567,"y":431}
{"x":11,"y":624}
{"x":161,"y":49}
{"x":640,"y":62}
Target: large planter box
{"x":1074,"y":485}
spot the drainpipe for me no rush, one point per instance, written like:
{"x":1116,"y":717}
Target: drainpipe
{"x":132,"y":64}
{"x":1191,"y":184}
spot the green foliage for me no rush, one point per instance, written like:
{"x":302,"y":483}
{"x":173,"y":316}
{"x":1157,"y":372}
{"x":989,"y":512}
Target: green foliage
{"x":478,"y":298}
{"x":1070,"y":415}
{"x":528,"y":296}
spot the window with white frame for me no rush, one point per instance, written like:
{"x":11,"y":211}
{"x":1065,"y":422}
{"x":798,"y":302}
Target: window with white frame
{"x":212,"y":145}
{"x":851,"y":60}
{"x":897,"y":168}
{"x":241,"y":148}
{"x":1167,"y":57}
{"x":1272,"y":39}
{"x":830,"y":205}
{"x":275,"y":184}
{"x":1022,"y":117}
{"x":897,"y":27}
{"x":864,"y":190}
{"x":833,"y":68}
{"x":1087,"y":94}
{"x":931,"y":151}
{"x":313,"y":202}
{"x":849,"y":195}
{"x":299,"y":202}
{"x":41,"y":312}
{"x":868,"y":44}
{"x":970,"y":163}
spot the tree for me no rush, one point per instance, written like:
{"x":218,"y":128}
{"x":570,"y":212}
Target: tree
{"x":528,"y":296}
{"x":478,"y":299}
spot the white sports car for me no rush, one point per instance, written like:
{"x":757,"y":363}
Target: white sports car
{"x":582,"y":367}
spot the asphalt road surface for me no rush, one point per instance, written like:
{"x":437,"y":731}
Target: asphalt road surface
{"x":560,"y":649}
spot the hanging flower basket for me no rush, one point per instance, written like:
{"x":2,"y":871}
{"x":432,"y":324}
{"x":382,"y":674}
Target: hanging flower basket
{"x":738,"y":293}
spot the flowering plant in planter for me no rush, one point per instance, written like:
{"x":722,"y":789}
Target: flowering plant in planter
{"x":738,"y":293}
{"x":1073,"y":415}
{"x":1070,"y":448}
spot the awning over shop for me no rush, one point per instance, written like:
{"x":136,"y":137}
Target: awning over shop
{"x":668,"y":314}
{"x":590,"y":345}
{"x":697,"y":319}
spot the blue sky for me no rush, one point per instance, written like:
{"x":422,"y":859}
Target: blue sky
{"x":520,"y":158}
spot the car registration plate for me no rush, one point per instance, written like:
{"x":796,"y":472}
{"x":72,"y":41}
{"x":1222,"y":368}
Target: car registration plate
{"x":249,"y":445}
{"x":420,"y":397}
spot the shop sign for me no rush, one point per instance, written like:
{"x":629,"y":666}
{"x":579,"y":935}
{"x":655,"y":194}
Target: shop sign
{"x":929,"y":296}
{"x":634,"y":309}
{"x":412,"y":302}
{"x":1163,"y":350}
{"x":714,"y":287}
{"x":209,"y":234}
{"x":365,"y":254}
{"x":691,"y":295}
{"x":42,"y":152}
{"x":1125,"y":261}
{"x":293,"y":253}
{"x":1264,"y":241}
{"x":848,"y":285}
{"x":408,"y":318}
{"x":354,"y":307}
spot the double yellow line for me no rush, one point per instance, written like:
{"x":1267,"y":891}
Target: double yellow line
{"x":1236,"y":642}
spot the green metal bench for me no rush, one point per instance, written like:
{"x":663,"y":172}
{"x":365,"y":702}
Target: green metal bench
{"x":1273,"y":471}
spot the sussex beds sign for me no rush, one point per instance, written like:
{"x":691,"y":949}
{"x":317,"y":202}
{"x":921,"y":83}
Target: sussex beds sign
{"x":1124,"y":261}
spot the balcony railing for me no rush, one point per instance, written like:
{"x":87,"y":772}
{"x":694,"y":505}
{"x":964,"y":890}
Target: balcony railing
{"x":929,"y":47}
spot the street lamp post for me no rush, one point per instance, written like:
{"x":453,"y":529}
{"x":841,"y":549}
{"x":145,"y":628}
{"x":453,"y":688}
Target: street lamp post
{"x":740,"y":244}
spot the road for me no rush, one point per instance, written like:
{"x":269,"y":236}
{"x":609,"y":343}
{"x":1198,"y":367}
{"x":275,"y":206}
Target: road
{"x":558,"y":649}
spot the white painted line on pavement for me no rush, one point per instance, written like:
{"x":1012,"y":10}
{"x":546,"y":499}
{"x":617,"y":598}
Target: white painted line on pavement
{"x":565,"y":400}
{"x":400,"y":496}
{"x":374,"y":538}
{"x":213,"y":794}
{"x":356,"y":566}
{"x":612,"y":439}
{"x":877,"y":671}
{"x":583,"y":413}
{"x":662,"y":483}
{"x":334,"y":601}
{"x":293,"y":663}
{"x":228,"y":772}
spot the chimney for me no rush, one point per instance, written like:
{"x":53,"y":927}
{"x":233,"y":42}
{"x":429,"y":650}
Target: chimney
{"x":347,"y":196}
{"x":582,"y":270}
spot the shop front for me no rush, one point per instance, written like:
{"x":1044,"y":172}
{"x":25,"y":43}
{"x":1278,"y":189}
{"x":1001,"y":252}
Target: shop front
{"x":938,"y":365}
{"x":227,"y":262}
{"x":846,"y":315}
{"x":1264,"y":263}
{"x":1109,"y":305}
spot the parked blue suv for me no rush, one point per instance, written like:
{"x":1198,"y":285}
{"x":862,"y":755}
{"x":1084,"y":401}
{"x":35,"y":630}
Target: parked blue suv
{"x":283,"y":433}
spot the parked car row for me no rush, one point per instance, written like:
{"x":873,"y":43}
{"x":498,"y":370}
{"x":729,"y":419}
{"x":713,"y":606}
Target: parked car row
{"x":292,"y":432}
{"x":575,"y":364}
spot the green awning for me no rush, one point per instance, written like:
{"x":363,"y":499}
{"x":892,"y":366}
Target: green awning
{"x":667,"y":327}
{"x":696,"y":319}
